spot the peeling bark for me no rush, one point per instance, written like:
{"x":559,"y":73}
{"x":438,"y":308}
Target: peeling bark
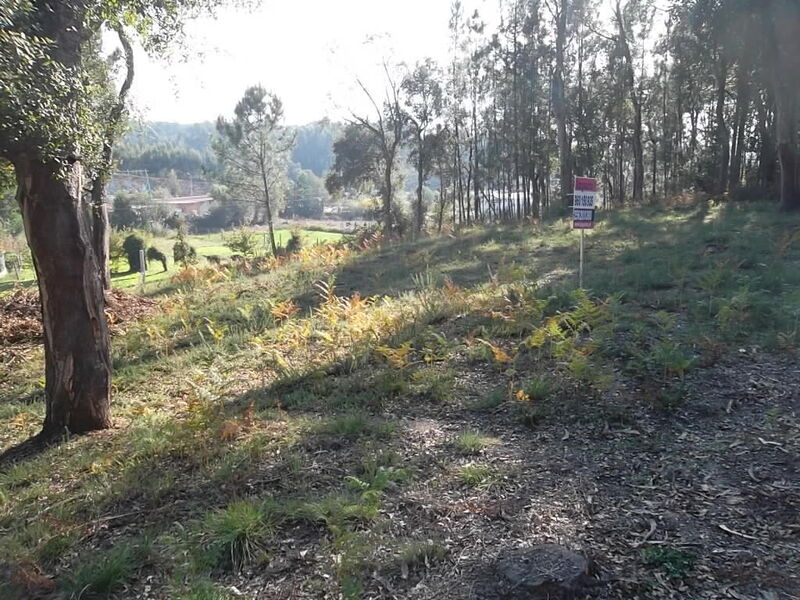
{"x":76,"y":342}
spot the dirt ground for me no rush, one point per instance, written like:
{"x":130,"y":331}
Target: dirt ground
{"x":610,"y":479}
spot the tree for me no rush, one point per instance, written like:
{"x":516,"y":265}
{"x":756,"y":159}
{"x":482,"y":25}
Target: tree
{"x":559,"y":9}
{"x":114,"y":123}
{"x":313,"y":149}
{"x":783,"y":24}
{"x":124,"y":216}
{"x":630,"y":82}
{"x":182,"y":252}
{"x":423,"y":98}
{"x":253,"y":149}
{"x":307,"y":195}
{"x":379,"y":139}
{"x":357,"y":160}
{"x":54,"y":118}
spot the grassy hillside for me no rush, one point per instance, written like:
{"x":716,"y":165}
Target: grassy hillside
{"x":387,"y":423}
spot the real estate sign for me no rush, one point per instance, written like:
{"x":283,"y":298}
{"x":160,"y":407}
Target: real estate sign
{"x":583,"y":203}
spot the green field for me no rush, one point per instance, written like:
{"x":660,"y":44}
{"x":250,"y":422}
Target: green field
{"x":211,"y":244}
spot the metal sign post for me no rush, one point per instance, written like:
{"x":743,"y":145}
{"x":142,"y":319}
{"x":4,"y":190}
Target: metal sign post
{"x":583,"y":209}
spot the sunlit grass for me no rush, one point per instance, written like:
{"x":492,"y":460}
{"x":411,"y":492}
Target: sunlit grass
{"x":473,"y":442}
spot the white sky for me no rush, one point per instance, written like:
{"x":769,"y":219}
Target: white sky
{"x":309,"y":52}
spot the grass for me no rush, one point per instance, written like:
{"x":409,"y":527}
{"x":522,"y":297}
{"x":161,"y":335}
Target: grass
{"x":473,"y":442}
{"x":294,"y":402}
{"x":211,"y":244}
{"x":676,"y":563}
{"x":474,"y":474}
{"x":236,"y":534}
{"x":102,"y":573}
{"x":356,"y":425}
{"x":539,"y":388}
{"x":421,"y":554}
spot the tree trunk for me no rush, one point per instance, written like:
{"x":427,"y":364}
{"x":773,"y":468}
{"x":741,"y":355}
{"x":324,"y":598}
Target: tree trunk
{"x":786,"y":76}
{"x":638,"y":150}
{"x":723,"y":136}
{"x":387,"y":200}
{"x":76,"y":341}
{"x":100,"y":233}
{"x":268,"y":209}
{"x":100,"y":223}
{"x":560,"y":107}
{"x":790,"y":169}
{"x":420,"y":179}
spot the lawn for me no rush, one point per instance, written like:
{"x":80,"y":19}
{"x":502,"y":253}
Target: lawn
{"x":212,"y":244}
{"x":397,"y":422}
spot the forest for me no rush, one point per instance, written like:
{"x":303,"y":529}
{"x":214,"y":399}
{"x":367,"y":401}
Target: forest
{"x":518,"y":320}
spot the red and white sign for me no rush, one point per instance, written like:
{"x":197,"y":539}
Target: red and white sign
{"x":583,"y":203}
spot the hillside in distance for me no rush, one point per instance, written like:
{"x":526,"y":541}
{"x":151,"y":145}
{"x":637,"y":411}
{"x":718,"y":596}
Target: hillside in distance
{"x":186,"y":148}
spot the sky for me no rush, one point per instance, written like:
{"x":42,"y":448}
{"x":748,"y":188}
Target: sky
{"x":309,"y":52}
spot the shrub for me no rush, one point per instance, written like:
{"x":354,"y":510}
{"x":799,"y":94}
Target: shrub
{"x":539,"y":387}
{"x":243,"y":242}
{"x":182,"y":252}
{"x":132,"y":245}
{"x":115,"y":250}
{"x":225,"y":216}
{"x":295,"y":243}
{"x":156,"y":255}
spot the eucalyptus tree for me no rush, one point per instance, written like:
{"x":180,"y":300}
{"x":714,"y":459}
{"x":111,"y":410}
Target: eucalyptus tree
{"x":559,"y":10}
{"x":253,"y":147}
{"x":422,"y":95}
{"x":56,"y":124}
{"x":624,"y":40}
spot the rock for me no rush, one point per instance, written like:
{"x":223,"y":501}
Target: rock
{"x":545,"y":571}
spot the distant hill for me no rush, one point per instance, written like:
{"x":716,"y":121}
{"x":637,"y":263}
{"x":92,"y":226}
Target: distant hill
{"x":313,"y":149}
{"x":159,"y":147}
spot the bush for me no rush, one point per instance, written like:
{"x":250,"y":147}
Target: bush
{"x":115,"y":250}
{"x":295,"y":243}
{"x":131,"y":246}
{"x":221,"y":217}
{"x":182,"y":252}
{"x":155,"y":254}
{"x":244,"y":242}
